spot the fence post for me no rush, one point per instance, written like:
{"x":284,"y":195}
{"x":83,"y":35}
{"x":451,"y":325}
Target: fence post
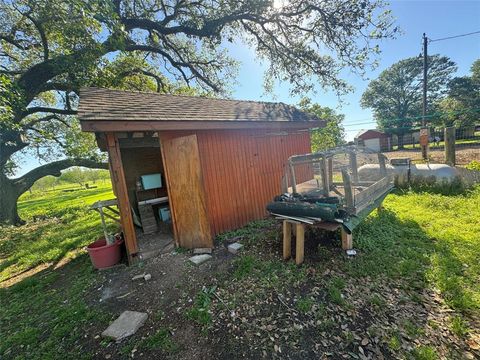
{"x":450,"y":145}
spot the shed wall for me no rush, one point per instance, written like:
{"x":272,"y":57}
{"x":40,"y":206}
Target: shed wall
{"x":242,"y":170}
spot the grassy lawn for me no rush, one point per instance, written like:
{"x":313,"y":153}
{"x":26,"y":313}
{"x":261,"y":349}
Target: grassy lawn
{"x":412,"y":291}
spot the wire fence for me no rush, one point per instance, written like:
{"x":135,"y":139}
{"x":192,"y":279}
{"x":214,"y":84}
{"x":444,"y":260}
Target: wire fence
{"x":407,"y":144}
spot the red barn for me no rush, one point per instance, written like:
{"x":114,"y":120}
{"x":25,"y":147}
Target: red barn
{"x":214,"y":163}
{"x":374,"y":139}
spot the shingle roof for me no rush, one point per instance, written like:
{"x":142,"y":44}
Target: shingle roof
{"x":97,"y":104}
{"x":363,"y":132}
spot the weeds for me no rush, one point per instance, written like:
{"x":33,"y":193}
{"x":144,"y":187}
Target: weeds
{"x":200,"y":312}
{"x":458,"y":326}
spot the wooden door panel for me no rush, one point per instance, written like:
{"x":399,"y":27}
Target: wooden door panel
{"x":181,"y":161}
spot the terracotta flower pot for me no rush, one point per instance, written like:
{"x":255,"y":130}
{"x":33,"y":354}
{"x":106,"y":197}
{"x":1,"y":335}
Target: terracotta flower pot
{"x":104,"y":255}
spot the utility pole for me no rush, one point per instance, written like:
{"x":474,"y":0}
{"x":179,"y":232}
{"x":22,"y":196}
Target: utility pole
{"x":424,"y":130}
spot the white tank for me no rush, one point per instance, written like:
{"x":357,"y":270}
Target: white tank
{"x":432,"y":172}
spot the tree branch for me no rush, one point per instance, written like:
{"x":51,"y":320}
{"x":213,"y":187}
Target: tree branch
{"x":54,"y":168}
{"x":158,"y":79}
{"x":43,"y":109}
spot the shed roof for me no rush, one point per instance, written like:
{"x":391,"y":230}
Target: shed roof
{"x":98,"y":104}
{"x":362,"y":133}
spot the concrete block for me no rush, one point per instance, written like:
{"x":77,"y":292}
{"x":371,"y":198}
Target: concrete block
{"x":200,"y":259}
{"x":198,"y":251}
{"x":235,"y":247}
{"x":125,"y":325}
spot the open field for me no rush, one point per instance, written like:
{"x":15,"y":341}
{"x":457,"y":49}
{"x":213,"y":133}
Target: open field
{"x":412,"y":292}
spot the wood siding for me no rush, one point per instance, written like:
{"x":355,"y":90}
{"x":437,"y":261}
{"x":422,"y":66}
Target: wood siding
{"x":242,"y":171}
{"x":187,"y":195}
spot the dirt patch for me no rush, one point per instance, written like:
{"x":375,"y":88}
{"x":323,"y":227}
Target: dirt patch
{"x":464,"y":155}
{"x":260,"y":306}
{"x":171,"y":290}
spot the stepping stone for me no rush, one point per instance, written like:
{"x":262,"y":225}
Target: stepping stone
{"x":200,"y":259}
{"x":202,"y":251}
{"x":235,"y":247}
{"x":125,"y":325}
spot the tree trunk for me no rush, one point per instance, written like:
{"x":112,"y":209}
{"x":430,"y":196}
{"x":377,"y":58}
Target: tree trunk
{"x":400,"y":141}
{"x":12,"y":189}
{"x":9,"y":195}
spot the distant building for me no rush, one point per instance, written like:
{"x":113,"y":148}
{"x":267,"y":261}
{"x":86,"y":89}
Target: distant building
{"x":374,"y":139}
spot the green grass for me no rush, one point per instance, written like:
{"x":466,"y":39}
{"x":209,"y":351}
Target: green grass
{"x":305,"y":304}
{"x":458,"y":326}
{"x":425,"y":238}
{"x":200,"y":311}
{"x":64,"y":225}
{"x":42,"y":321}
{"x":422,"y":239}
{"x":425,"y":353}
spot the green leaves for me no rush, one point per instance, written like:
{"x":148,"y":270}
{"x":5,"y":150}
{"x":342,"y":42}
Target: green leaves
{"x":333,"y":134}
{"x":396,"y":95}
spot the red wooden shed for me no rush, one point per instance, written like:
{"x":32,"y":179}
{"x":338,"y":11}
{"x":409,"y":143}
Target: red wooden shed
{"x":220,"y":161}
{"x":374,"y":139}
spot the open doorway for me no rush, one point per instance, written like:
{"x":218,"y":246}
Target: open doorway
{"x":147,"y":191}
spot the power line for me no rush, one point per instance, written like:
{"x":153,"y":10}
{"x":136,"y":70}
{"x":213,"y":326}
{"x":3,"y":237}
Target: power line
{"x":454,"y":37}
{"x":439,"y":113}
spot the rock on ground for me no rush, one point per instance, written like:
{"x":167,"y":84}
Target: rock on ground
{"x":125,"y":325}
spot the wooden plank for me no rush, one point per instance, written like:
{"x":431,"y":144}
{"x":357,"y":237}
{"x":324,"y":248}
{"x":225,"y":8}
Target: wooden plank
{"x":287,"y":239}
{"x":330,"y":172}
{"x":367,"y":195}
{"x":348,"y":190}
{"x":121,"y":192}
{"x":186,"y":191}
{"x":300,"y":244}
{"x":354,"y":167}
{"x":152,"y":125}
{"x":347,"y":240}
{"x":382,"y":165}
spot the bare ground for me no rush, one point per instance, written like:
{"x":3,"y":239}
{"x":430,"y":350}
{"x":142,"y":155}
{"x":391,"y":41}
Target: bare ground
{"x":464,"y":155}
{"x":259,"y":313}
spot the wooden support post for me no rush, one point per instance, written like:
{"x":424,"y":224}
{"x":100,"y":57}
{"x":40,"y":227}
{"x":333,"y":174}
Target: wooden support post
{"x":330,"y":171}
{"x":450,"y":145}
{"x":347,"y":240}
{"x":294,"y":180}
{"x":121,"y":192}
{"x":353,"y":165}
{"x":347,"y":185}
{"x":325,"y":177}
{"x":382,"y":165}
{"x":287,"y":239}
{"x":300,"y":244}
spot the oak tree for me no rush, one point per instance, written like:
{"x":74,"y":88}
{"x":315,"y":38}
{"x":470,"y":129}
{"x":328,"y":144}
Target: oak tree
{"x":396,"y":95}
{"x":49,"y":49}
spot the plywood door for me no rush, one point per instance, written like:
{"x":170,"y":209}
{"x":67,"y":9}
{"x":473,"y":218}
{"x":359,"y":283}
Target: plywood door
{"x":186,"y":191}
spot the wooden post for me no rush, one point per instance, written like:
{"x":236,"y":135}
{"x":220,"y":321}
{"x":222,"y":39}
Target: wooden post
{"x":381,"y":164}
{"x":294,"y":180}
{"x":347,"y":185}
{"x":450,"y":145}
{"x":300,"y":243}
{"x":330,"y":171}
{"x":120,"y":186}
{"x":287,"y":239}
{"x":353,"y":165}
{"x":325,"y":177}
{"x":347,"y":240}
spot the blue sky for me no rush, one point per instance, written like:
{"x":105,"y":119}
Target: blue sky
{"x":437,"y":18}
